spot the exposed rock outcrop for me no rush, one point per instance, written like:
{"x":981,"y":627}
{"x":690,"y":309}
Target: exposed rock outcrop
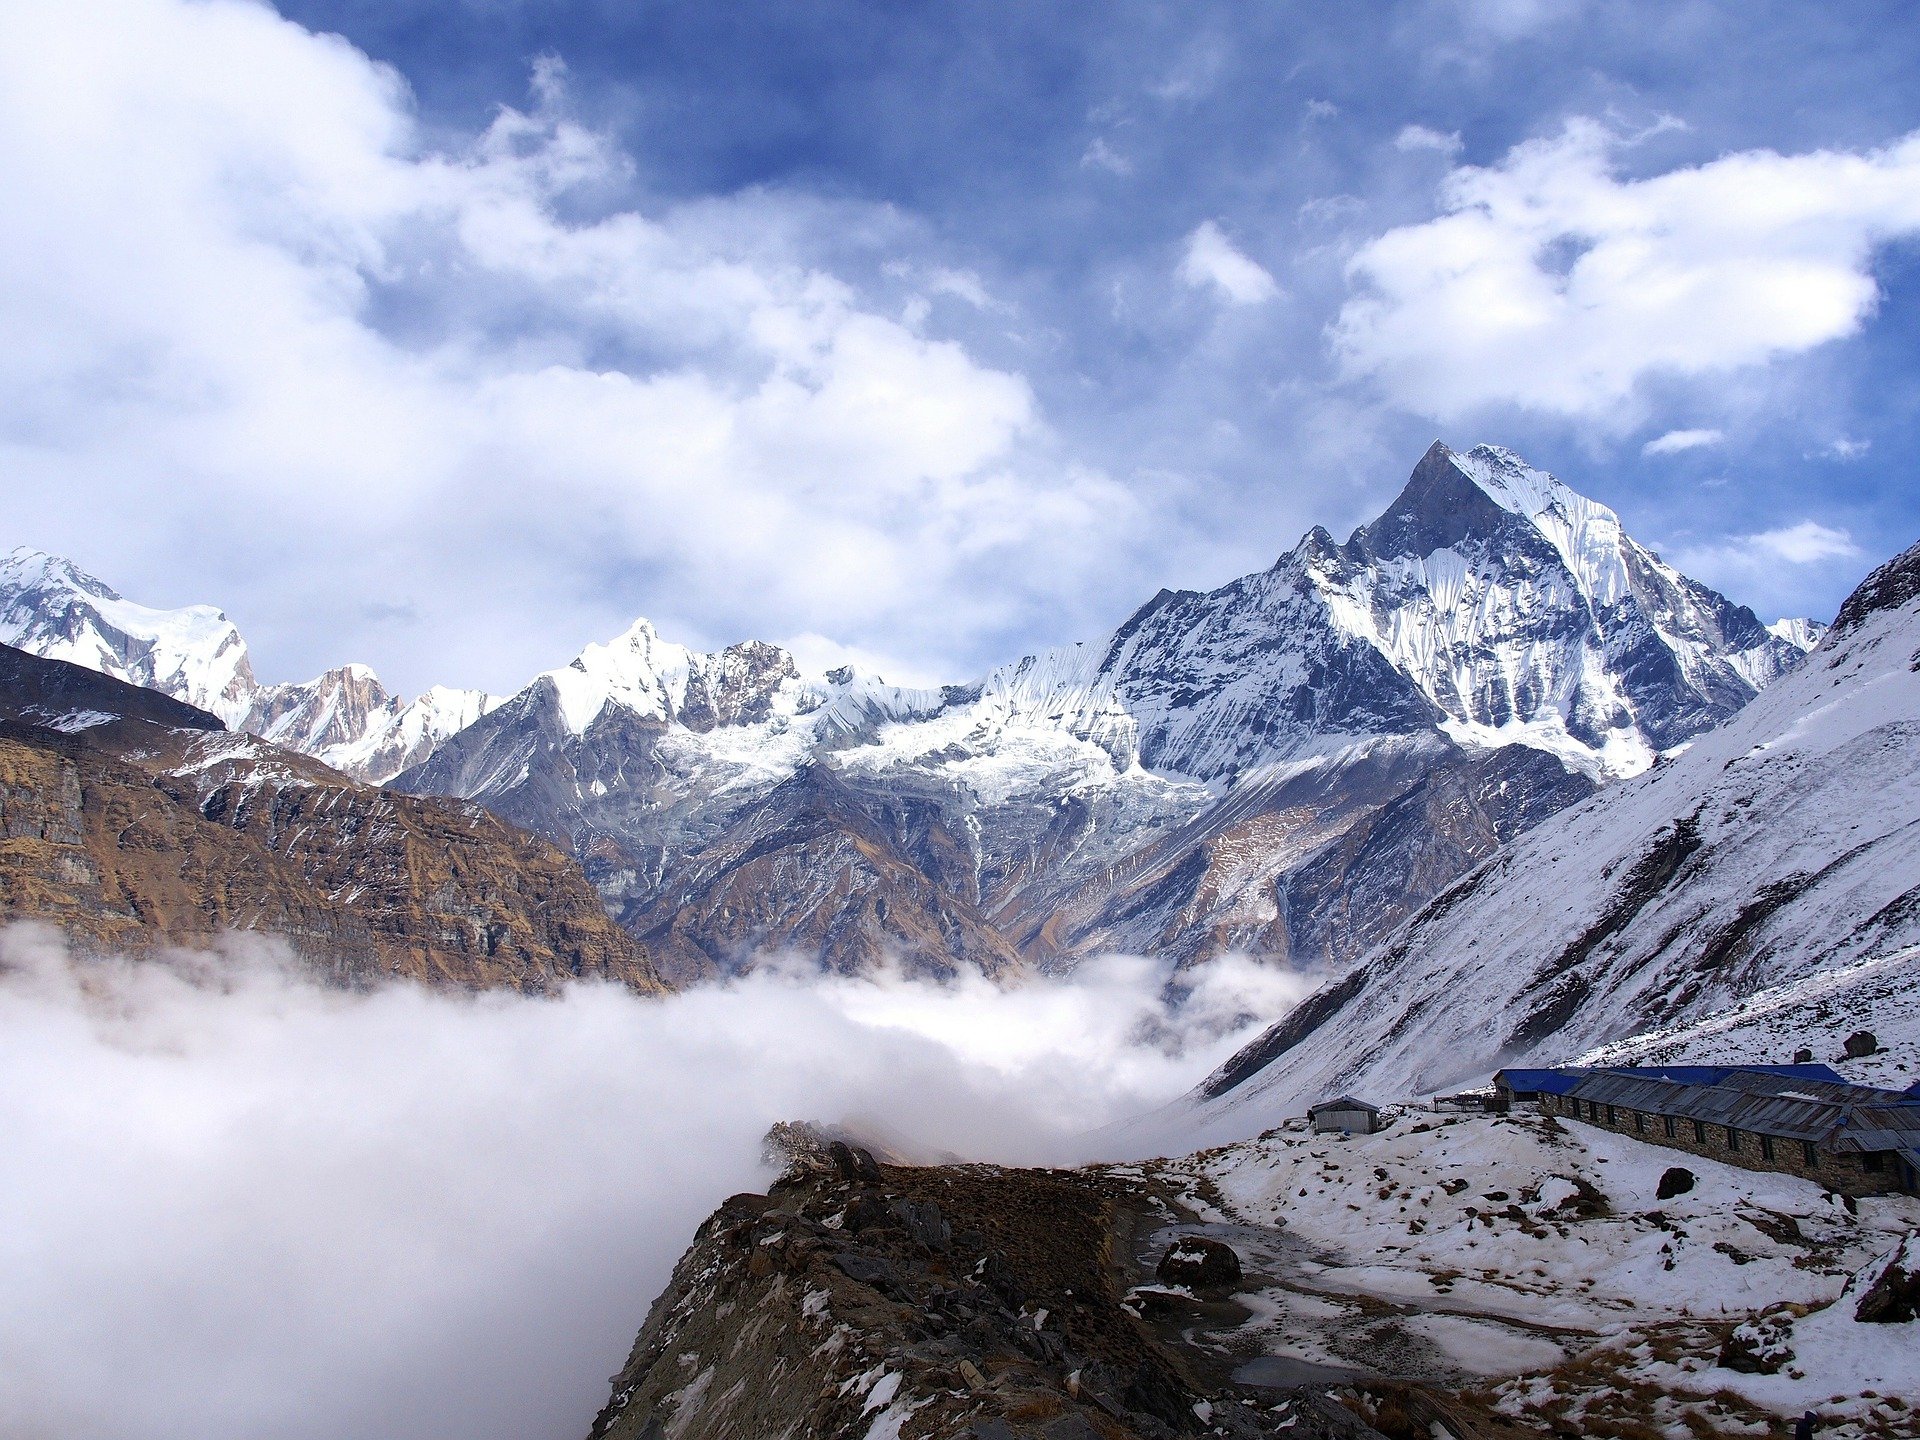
{"x":962,"y":1301}
{"x":130,"y":820}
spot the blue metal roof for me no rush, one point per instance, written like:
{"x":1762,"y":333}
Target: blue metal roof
{"x":1715,"y":1074}
{"x":1535,"y":1082}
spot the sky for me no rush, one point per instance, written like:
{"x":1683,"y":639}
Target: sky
{"x":452,"y":335}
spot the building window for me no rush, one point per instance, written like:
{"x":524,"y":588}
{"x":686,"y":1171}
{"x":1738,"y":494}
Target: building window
{"x":1766,"y":1147}
{"x":1873,"y":1160}
{"x":1666,"y":1124}
{"x":1613,"y":1116}
{"x":1810,"y":1154}
{"x":1639,"y":1121}
{"x":1733,"y":1138}
{"x":1699,"y":1132}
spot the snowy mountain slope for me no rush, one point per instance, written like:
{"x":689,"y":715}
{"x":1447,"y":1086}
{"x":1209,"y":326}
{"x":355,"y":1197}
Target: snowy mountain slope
{"x":1289,"y":763}
{"x":51,"y":608}
{"x":1307,"y":864}
{"x":1818,"y":1012}
{"x":1778,"y":849}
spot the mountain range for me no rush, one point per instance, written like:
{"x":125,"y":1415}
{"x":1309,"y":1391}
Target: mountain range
{"x":1291,"y":764}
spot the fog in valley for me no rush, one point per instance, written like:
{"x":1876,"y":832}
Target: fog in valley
{"x":233,"y":1203}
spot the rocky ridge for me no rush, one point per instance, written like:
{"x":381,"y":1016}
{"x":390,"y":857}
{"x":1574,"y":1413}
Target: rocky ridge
{"x":861,"y":1299}
{"x":1485,"y":1277}
{"x":132,"y":820}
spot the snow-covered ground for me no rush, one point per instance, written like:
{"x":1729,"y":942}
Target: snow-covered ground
{"x":1880,"y":996}
{"x":1530,"y":1259}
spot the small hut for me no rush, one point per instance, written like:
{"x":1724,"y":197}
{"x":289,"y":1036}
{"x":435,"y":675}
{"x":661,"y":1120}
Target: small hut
{"x":1344,"y":1115}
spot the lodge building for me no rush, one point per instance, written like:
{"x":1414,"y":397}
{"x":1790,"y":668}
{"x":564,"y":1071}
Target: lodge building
{"x":1802,"y":1120}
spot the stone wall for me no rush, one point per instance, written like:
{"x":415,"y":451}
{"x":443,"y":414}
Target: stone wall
{"x":1844,"y":1173}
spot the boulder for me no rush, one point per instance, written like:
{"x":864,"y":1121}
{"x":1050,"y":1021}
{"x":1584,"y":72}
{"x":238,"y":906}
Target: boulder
{"x":1677,"y":1180}
{"x":1861,"y":1044}
{"x":869,"y":1270}
{"x":853,"y":1162}
{"x":1758,"y":1346}
{"x":1890,"y":1287}
{"x":1197,"y":1262}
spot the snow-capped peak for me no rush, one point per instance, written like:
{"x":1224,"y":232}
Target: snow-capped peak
{"x":638,"y":669}
{"x":1586,"y":533}
{"x":51,"y":607}
{"x":1799,"y":632}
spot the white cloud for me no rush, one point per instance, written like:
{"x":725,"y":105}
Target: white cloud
{"x":1846,"y":448}
{"x":962,"y":284}
{"x":1099,"y":155}
{"x":1802,"y":544}
{"x":1321,"y":110}
{"x":1751,"y":564}
{"x":1195,"y":73}
{"x":1212,"y":261}
{"x":1419,"y":137}
{"x":279,"y":335}
{"x":1331,"y":210}
{"x":1550,"y":283}
{"x":235,"y":1205}
{"x":1675,"y":441}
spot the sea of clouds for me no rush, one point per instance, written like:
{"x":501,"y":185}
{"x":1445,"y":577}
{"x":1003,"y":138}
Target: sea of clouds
{"x":235,"y":1203}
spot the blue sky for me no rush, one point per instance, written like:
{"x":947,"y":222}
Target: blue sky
{"x":926,"y":334}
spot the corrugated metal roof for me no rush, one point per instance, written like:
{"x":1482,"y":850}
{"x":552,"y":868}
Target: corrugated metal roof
{"x":1841,"y":1116}
{"x":1718,"y":1074}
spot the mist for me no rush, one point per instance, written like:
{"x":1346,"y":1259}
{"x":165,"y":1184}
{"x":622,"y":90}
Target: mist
{"x":234,"y":1203}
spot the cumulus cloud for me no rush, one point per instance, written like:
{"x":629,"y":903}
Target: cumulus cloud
{"x":1551,"y":283}
{"x":1212,"y":262}
{"x":1675,"y":441}
{"x":1845,"y":447}
{"x":233,"y":1204}
{"x":278,"y":332}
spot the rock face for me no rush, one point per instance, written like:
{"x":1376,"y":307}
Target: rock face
{"x":344,"y":718}
{"x":1739,"y":893}
{"x":130,"y":820}
{"x":1289,"y":765}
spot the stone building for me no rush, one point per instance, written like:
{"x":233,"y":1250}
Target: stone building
{"x":1850,"y":1138}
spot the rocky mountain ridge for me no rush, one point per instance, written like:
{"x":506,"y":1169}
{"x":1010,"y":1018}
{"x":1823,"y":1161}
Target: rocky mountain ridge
{"x":132,"y":820}
{"x":1226,"y":770}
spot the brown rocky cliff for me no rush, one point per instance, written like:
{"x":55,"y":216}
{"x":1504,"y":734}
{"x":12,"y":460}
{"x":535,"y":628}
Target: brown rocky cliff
{"x":132,"y":831}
